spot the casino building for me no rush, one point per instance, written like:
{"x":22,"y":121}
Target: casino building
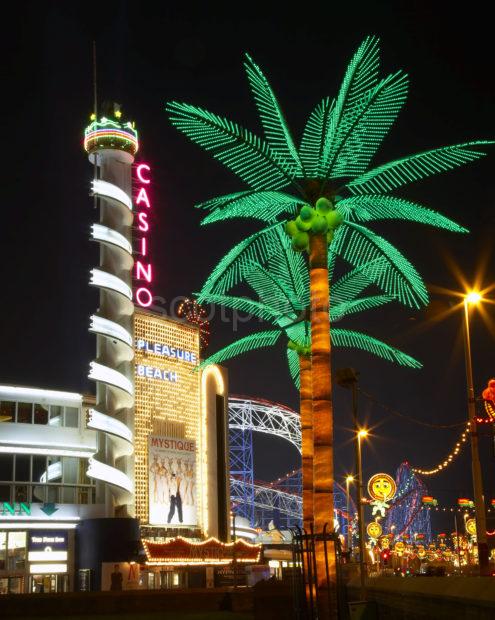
{"x":127,"y":488}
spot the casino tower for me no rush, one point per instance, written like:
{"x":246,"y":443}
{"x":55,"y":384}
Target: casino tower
{"x":112,"y":144}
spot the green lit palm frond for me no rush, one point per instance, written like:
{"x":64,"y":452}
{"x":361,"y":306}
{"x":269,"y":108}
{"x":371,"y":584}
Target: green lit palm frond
{"x":415,"y":167}
{"x":244,"y":304}
{"x":361,"y":75}
{"x":258,"y":340}
{"x":313,"y":140}
{"x":377,"y":207}
{"x":290,"y":269}
{"x":271,"y":290}
{"x":352,"y":339}
{"x":339,"y":311}
{"x":231,"y":269}
{"x":237,"y":148}
{"x":266,"y":206}
{"x":359,"y":245}
{"x":361,"y":132}
{"x":294,"y":368}
{"x":300,"y":332}
{"x":274,"y":124}
{"x":353,"y":283}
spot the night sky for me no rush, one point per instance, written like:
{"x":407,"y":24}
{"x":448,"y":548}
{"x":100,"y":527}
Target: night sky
{"x":147,"y":56}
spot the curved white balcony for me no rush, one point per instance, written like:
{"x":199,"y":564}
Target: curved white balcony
{"x":118,"y":433}
{"x":111,"y":238}
{"x":110,"y":475}
{"x":103,"y":279}
{"x":120,"y":339}
{"x":105,"y":327}
{"x":114,"y":379}
{"x":112,"y":193}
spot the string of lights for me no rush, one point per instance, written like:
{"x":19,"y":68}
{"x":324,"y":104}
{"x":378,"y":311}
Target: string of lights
{"x":448,"y":460}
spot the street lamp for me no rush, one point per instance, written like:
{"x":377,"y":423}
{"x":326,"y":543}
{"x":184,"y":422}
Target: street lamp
{"x":474,"y":298}
{"x":348,"y":481}
{"x":362,"y":434}
{"x":234,"y":556}
{"x":347,"y":378}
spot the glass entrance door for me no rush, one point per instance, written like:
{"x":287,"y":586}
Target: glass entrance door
{"x":43,"y":584}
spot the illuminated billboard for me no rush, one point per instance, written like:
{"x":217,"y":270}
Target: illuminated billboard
{"x":172,"y":481}
{"x":167,"y":407}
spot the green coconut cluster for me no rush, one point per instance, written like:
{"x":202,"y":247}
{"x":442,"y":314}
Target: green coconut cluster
{"x":300,"y":349}
{"x":323,"y":219}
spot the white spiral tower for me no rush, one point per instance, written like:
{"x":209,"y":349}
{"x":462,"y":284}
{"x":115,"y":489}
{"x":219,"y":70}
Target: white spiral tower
{"x":111,"y":145}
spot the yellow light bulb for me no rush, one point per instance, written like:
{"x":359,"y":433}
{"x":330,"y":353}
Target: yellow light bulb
{"x":473,"y":297}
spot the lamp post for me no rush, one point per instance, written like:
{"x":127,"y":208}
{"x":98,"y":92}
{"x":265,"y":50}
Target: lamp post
{"x":361,"y":434}
{"x":347,"y":377}
{"x":470,"y":299}
{"x":348,"y":481}
{"x":234,"y":558}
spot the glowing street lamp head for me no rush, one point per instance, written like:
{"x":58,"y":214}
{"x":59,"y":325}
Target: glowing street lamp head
{"x":363,"y":433}
{"x":349,"y":479}
{"x":473,"y":297}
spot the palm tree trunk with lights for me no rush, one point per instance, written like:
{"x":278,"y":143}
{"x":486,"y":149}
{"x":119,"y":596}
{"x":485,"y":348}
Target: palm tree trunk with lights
{"x":306,"y":410}
{"x":323,"y":414}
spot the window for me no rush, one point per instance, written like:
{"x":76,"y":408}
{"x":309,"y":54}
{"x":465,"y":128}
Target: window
{"x":24,"y":413}
{"x":68,"y":495}
{"x":71,"y":469}
{"x":3,"y":550}
{"x":21,"y":493}
{"x":72,"y":417}
{"x":39,"y":468}
{"x":22,"y":468}
{"x":6,"y":467}
{"x":54,"y":469}
{"x":16,"y":550}
{"x":55,"y":415}
{"x":4,"y":493}
{"x":39,"y":475}
{"x":40,"y":414}
{"x":7,"y":411}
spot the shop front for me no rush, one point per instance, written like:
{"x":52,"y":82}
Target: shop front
{"x":181,"y":563}
{"x":35,"y":561}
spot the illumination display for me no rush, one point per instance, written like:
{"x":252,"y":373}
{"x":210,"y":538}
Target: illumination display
{"x":102,"y":279}
{"x":36,"y":569}
{"x":143,"y":268}
{"x":381,"y":488}
{"x":110,"y":134}
{"x":103,"y":234}
{"x":98,"y":372}
{"x":100,"y":325}
{"x":111,"y":192}
{"x":172,"y":481}
{"x":149,"y":372}
{"x":374,"y":530}
{"x":167,"y":350}
{"x":181,"y":551}
{"x":10,"y":392}
{"x":165,"y":408}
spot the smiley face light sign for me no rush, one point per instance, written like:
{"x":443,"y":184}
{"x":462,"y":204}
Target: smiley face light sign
{"x":381,"y":489}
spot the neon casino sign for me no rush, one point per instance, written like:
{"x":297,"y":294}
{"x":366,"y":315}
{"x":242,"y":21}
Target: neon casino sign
{"x":142,"y":268}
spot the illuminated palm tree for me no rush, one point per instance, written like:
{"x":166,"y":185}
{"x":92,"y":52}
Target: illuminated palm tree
{"x":281,"y":289}
{"x":333,"y":192}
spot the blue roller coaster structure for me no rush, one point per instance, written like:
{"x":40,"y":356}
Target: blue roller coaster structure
{"x":278,"y":502}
